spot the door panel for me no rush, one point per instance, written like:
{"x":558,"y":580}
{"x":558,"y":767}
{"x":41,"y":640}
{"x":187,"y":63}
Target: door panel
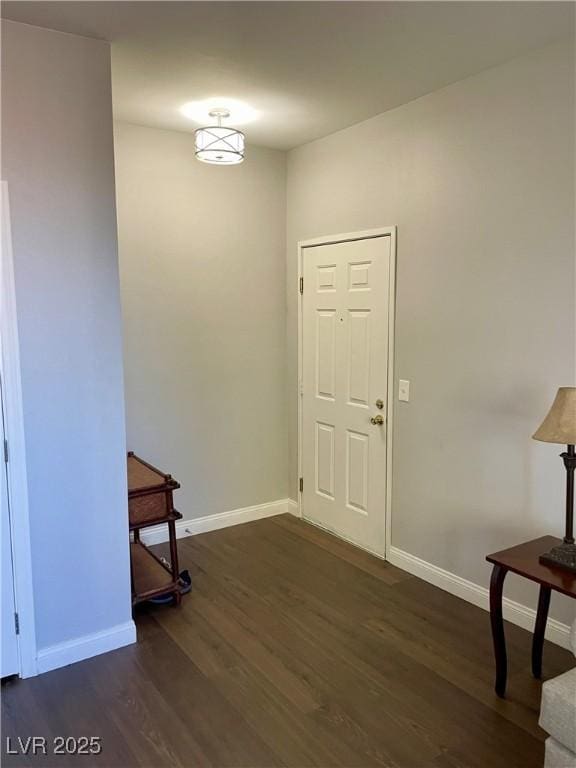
{"x":325,"y":459}
{"x":357,"y":454}
{"x":358,"y":358}
{"x":325,"y":353}
{"x":345,"y":369}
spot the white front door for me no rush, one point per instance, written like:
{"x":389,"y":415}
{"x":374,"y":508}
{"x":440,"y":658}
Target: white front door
{"x":9,"y":652}
{"x":344,"y":387}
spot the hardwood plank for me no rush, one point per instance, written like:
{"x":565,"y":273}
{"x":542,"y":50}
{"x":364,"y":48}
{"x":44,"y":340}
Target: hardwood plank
{"x":62,"y":703}
{"x":221,"y":731}
{"x":143,"y":716}
{"x":357,"y":557}
{"x":294,"y":649}
{"x":287,"y":730}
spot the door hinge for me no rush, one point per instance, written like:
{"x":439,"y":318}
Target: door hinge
{"x":301,"y":484}
{"x":5,"y":451}
{"x":301,"y":285}
{"x":17,"y":623}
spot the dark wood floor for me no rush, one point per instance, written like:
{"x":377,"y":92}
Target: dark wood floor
{"x":294,"y":649}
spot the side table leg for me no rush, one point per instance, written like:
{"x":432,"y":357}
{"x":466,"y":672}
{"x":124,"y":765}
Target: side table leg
{"x":174,"y":559}
{"x":539,"y":629}
{"x":497,"y":622}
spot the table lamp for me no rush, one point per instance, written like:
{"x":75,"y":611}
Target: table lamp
{"x":559,"y":426}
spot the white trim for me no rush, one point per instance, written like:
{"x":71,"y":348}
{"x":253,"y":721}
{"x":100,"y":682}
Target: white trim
{"x":158,"y":534}
{"x":85,"y":647}
{"x":293,"y":508}
{"x":473,"y":593}
{"x":347,"y":237}
{"x":17,"y":478}
{"x":390,"y":398}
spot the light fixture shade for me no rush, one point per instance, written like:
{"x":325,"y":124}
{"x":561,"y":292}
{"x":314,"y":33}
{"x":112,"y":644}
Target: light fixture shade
{"x":559,"y":426}
{"x":219,"y":145}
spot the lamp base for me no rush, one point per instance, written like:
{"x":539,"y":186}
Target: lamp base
{"x":562,"y":556}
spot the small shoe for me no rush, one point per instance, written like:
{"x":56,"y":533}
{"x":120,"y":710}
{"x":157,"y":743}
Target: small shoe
{"x":165,"y":599}
{"x":185,"y":582}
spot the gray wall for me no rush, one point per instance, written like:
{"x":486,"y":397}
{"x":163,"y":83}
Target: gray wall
{"x":57,"y":156}
{"x":479,"y":179}
{"x":202,"y":264}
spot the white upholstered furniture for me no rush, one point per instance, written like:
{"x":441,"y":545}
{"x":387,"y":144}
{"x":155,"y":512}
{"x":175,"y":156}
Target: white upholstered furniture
{"x":558,"y":716}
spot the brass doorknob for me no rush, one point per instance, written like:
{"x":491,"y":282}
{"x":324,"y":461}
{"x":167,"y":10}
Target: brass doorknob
{"x":377,"y":420}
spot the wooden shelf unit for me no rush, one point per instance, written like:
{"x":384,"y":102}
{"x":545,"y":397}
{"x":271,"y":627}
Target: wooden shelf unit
{"x":150,"y":503}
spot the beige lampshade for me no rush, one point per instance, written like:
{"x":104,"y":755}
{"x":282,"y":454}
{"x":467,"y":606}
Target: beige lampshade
{"x":559,"y":426}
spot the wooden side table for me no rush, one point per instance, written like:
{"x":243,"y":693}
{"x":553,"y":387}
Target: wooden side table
{"x":150,"y":503}
{"x":523,"y":560}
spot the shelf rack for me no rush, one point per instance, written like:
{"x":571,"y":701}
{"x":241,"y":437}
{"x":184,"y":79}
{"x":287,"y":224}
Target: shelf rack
{"x":150,"y":503}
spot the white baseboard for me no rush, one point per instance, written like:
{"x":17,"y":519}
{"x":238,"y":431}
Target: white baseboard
{"x":293,"y":508}
{"x":514,"y":612}
{"x":85,"y":647}
{"x":159,"y":534}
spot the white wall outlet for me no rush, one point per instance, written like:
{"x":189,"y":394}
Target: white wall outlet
{"x":404,"y":390}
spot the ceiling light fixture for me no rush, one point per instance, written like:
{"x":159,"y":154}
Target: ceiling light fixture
{"x":198,"y":111}
{"x":217,"y":144}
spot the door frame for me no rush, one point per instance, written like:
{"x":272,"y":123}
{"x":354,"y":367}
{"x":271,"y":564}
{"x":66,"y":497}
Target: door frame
{"x":16,"y":465}
{"x":347,"y":237}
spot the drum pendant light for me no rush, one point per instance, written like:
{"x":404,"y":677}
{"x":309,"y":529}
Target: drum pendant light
{"x":217,"y":144}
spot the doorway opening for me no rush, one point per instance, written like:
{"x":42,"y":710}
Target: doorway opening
{"x":18,"y":626}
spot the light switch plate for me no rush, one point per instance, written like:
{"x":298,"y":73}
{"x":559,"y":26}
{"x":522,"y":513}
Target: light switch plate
{"x":404,"y":390}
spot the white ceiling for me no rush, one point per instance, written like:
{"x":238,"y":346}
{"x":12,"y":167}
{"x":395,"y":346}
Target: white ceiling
{"x":308,"y":68}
